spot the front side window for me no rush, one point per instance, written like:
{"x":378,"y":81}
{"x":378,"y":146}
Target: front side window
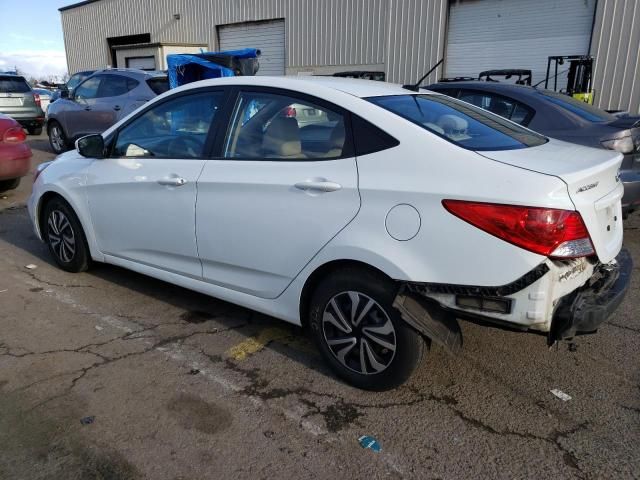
{"x":271,"y":126}
{"x":177,"y":128}
{"x":462,"y":124}
{"x":88,"y":89}
{"x":76,"y":79}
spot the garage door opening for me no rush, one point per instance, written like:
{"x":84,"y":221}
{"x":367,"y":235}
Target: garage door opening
{"x":266,"y":36}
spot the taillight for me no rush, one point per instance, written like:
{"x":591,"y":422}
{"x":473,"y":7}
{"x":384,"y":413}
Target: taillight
{"x":36,"y":97}
{"x":14,"y":135}
{"x":290,"y":112}
{"x":547,"y":231}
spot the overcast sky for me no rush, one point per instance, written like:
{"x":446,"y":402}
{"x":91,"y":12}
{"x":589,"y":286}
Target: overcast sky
{"x":31,"y":37}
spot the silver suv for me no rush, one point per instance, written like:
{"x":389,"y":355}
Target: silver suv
{"x":18,"y":101}
{"x":98,"y":102}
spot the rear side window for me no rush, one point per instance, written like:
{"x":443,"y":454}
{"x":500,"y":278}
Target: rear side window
{"x":11,"y":84}
{"x":460,"y":123}
{"x":115,"y":85}
{"x":370,"y":139}
{"x":158,"y":85}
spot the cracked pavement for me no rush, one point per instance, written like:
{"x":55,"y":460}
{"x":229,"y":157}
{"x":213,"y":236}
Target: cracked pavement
{"x":152,"y":363}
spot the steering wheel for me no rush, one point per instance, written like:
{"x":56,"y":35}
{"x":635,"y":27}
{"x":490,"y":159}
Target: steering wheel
{"x":184,"y":146}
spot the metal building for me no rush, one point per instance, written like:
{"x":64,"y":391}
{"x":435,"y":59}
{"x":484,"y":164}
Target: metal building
{"x":402,"y":38}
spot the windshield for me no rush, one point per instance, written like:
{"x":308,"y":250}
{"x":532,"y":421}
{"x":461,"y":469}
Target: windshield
{"x":460,"y":123}
{"x":583,"y":110}
{"x":12,"y":84}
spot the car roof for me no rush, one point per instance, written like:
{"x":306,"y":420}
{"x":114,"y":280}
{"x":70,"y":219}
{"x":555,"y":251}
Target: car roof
{"x":488,"y":86}
{"x":353,"y":86}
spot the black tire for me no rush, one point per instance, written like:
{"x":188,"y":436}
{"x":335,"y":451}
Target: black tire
{"x":9,"y":184}
{"x":57,"y":138}
{"x":34,"y":130}
{"x":361,"y":286}
{"x":64,"y":236}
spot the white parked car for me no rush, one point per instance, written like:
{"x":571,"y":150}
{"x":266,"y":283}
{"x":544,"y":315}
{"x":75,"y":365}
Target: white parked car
{"x":375,"y":229}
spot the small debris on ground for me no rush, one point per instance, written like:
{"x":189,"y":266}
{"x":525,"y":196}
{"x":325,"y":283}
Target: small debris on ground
{"x":87,"y":420}
{"x":269,"y":433}
{"x":99,"y":328}
{"x":31,"y":266}
{"x":560,"y":394}
{"x":5,"y":290}
{"x":369,"y":442}
{"x":194,"y":371}
{"x":573,"y":347}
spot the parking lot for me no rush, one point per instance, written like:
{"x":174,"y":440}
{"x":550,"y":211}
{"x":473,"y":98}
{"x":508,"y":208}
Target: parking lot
{"x":171,"y":384}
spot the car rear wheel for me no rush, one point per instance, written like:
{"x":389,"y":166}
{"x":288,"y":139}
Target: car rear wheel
{"x":57,"y":138}
{"x":34,"y":130}
{"x":9,"y":184}
{"x":360,"y":335}
{"x":64,"y":236}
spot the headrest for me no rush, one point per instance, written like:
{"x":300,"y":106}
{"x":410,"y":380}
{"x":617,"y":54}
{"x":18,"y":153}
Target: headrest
{"x":451,"y":123}
{"x":282,"y":138}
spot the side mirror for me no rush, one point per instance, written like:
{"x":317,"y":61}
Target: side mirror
{"x":91,"y":146}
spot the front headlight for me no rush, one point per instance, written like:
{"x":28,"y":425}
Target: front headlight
{"x":622,"y":145}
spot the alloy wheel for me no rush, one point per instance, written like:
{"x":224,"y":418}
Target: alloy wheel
{"x":62,"y":239}
{"x":56,"y":138}
{"x":359,"y":333}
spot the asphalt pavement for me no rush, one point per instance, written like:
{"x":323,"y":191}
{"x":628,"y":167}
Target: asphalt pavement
{"x":113,"y":375}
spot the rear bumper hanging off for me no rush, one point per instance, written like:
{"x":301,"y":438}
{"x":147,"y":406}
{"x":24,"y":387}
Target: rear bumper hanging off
{"x":585,"y":309}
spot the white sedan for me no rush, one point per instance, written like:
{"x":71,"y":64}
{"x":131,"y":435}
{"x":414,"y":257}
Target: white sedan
{"x":375,"y":228}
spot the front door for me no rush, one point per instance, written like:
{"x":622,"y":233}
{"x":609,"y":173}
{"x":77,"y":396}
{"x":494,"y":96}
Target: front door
{"x":142,"y":199}
{"x":279,"y":192}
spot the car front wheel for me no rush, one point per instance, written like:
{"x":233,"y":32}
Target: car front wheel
{"x":57,"y":138}
{"x":64,"y":236}
{"x":360,"y":335}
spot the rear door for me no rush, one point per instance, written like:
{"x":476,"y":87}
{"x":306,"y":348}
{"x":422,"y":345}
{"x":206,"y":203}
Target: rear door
{"x":277,"y":193}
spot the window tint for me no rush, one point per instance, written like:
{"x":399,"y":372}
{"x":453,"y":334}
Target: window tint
{"x":177,"y":128}
{"x":271,"y":126}
{"x":581,"y":109}
{"x":459,"y":123}
{"x":158,"y":85}
{"x":370,"y":139}
{"x":12,"y":84}
{"x":76,"y":79}
{"x":115,"y":85}
{"x":503,"y":106}
{"x":88,"y":89}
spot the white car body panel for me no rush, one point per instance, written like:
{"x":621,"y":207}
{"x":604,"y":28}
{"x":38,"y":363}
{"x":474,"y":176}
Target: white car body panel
{"x":259,"y":249}
{"x":256,"y":230}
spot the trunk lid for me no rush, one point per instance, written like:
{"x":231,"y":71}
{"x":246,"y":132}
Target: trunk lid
{"x":593,"y":185}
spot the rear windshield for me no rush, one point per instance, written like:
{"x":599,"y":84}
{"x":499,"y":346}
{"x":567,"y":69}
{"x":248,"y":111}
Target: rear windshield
{"x":583,"y":110}
{"x":158,"y":85}
{"x":10,"y":84}
{"x":460,"y":123}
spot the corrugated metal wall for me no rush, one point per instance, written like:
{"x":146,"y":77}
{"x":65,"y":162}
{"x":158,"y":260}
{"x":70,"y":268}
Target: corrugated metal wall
{"x":318,"y":32}
{"x":616,"y":46}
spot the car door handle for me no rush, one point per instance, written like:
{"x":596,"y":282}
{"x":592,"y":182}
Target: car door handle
{"x":318,"y":186}
{"x":87,"y":108}
{"x":172,"y":181}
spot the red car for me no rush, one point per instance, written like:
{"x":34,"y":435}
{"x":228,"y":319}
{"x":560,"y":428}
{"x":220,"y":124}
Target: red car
{"x":15,"y":155}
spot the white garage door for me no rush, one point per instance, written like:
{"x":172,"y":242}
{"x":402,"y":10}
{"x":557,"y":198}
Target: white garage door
{"x":493,"y":34}
{"x":266,"y":36}
{"x":143,"y":63}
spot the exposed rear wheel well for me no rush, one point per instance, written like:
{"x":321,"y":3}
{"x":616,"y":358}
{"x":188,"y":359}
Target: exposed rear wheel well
{"x":326,"y":270}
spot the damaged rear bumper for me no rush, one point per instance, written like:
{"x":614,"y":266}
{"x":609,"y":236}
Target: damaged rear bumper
{"x":585,"y":309}
{"x":561,"y":299}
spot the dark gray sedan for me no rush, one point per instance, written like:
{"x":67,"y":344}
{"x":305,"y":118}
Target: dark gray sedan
{"x":562,"y":117}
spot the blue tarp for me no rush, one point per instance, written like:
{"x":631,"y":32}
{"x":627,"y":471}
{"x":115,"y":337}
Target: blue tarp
{"x":186,"y":68}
